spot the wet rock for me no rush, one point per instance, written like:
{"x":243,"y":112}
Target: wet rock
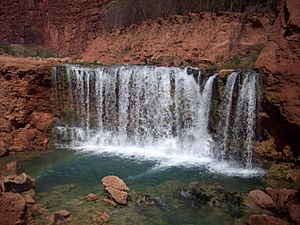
{"x":110,"y":202}
{"x":18,"y":183}
{"x":63,"y":213}
{"x":119,"y":196}
{"x":281,"y":195}
{"x":57,"y":219}
{"x":211,"y":194}
{"x":294,"y":211}
{"x":116,"y":188}
{"x":265,"y":220}
{"x":36,"y":209}
{"x":91,"y":197}
{"x":114,"y":182}
{"x":12,"y":209}
{"x":262,"y":199}
{"x":100,"y":218}
{"x":145,"y":200}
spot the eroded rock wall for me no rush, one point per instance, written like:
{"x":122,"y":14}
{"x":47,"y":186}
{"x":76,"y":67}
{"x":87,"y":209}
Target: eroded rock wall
{"x":63,"y":26}
{"x":25,"y":104}
{"x":280,"y":62}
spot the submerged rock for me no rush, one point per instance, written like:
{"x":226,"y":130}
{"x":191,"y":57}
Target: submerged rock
{"x":100,"y":218}
{"x":262,"y":199}
{"x":110,"y":202}
{"x":265,"y":220}
{"x":210,"y":194}
{"x":91,"y":197}
{"x":145,"y":200}
{"x":18,"y":183}
{"x":116,"y":188}
{"x":63,"y":213}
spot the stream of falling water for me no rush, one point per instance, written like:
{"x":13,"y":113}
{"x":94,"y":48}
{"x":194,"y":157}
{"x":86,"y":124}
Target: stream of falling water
{"x":157,"y":113}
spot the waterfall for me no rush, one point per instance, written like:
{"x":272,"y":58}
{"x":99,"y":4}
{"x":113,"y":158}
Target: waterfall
{"x":238,"y":119}
{"x":167,"y":109}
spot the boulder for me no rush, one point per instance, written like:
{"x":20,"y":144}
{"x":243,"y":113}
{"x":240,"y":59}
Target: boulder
{"x":57,"y":219}
{"x":265,"y":220}
{"x":100,"y":218}
{"x":281,"y":195}
{"x":119,"y":196}
{"x":262,"y":199}
{"x":294,"y":211}
{"x":105,"y":217}
{"x":114,"y":182}
{"x":18,"y":183}
{"x":63,"y":213}
{"x":91,"y":197}
{"x":12,"y":209}
{"x":116,"y":188}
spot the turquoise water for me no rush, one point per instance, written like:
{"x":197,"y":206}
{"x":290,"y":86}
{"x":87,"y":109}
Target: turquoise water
{"x":64,"y":177}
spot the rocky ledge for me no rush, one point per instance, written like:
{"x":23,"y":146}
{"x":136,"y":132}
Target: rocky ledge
{"x":26,"y":106}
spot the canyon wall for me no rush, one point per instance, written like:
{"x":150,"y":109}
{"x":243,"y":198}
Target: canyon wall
{"x":25,"y":104}
{"x":59,"y":25}
{"x":279,"y":61}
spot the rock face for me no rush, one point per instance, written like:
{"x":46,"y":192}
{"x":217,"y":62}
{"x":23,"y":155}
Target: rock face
{"x":18,"y":183}
{"x":281,"y":195}
{"x":280,"y":62}
{"x":12,"y":209}
{"x":179,"y":40}
{"x":116,"y":188}
{"x":262,"y":199}
{"x":57,"y":24}
{"x":25,"y":104}
{"x":265,"y":219}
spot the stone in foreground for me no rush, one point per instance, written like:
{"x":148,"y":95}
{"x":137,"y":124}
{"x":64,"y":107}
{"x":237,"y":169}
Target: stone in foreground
{"x":12,"y":209}
{"x":281,"y":195}
{"x":265,"y":220}
{"x":91,"y":197}
{"x":63,"y":213}
{"x":116,"y":189}
{"x":18,"y":183}
{"x":262,"y":199}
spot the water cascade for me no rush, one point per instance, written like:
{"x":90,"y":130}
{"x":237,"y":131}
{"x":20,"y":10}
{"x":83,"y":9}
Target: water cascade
{"x":166,"y":110}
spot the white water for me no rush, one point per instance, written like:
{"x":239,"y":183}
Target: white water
{"x":151,"y":113}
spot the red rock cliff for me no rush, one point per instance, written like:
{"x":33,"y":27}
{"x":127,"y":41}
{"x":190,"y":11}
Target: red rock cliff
{"x":59,"y":25}
{"x":25,"y":104}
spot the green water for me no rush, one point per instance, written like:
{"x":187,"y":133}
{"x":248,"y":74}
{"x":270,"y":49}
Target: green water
{"x":65,"y":177}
